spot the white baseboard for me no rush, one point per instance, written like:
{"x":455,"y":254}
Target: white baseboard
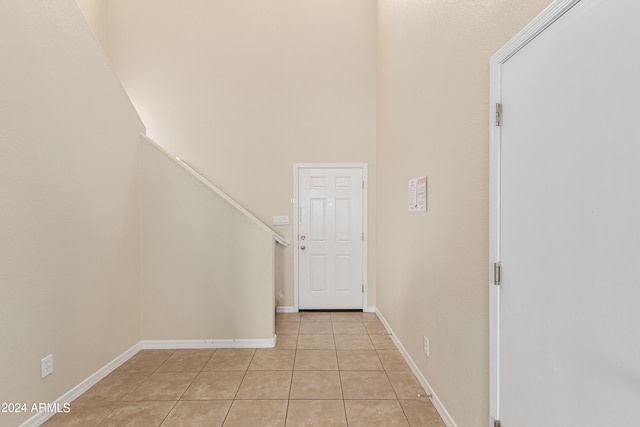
{"x":370,"y":309}
{"x":178,"y":344}
{"x":85,"y":385}
{"x":446,"y":417}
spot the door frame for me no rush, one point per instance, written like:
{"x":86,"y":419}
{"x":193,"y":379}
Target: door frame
{"x":296,"y":221}
{"x":547,"y":17}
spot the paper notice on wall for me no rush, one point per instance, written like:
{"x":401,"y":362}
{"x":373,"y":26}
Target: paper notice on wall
{"x":413,"y":204}
{"x":417,"y":194}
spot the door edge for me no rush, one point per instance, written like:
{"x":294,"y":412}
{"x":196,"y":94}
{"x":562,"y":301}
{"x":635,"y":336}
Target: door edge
{"x":546,"y":18}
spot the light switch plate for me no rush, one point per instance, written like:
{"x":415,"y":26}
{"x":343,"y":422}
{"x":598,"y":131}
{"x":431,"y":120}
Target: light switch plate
{"x":281,"y":220}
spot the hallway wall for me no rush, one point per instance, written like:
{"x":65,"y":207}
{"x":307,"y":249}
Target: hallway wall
{"x":433,"y":119}
{"x":69,"y":197}
{"x":243,"y":89}
{"x":207,"y":270}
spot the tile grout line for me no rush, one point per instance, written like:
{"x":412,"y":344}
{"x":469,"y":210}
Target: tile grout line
{"x":150,"y":373}
{"x":344,"y":402}
{"x":295,"y":357}
{"x":386,"y":372}
{"x":238,"y":390}
{"x":175,"y":403}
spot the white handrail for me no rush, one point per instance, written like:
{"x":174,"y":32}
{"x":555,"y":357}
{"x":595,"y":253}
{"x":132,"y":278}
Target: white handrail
{"x":278,"y":238}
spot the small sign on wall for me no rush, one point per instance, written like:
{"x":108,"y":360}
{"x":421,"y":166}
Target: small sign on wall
{"x":417,"y":199}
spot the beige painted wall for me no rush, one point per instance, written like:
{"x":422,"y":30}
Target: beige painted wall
{"x":433,"y":119}
{"x":94,"y":11}
{"x":243,"y":89}
{"x":207,"y":269}
{"x":69,"y":197}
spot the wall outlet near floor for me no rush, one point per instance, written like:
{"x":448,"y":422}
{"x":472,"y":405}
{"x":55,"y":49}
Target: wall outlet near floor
{"x":425,"y":345}
{"x":46,"y":366}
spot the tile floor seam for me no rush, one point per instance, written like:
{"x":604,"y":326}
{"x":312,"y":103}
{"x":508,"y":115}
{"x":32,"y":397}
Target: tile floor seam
{"x":166,"y":416}
{"x":224,"y":420}
{"x":125,"y":398}
{"x":386,"y":373}
{"x":237,"y":390}
{"x":344,"y":407}
{"x":335,"y":349}
{"x":404,"y":413}
{"x":291,"y":381}
{"x":208,"y":360}
{"x":286,"y":412}
{"x":235,"y":396}
{"x":187,"y":387}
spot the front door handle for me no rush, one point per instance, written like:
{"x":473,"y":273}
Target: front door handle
{"x":303,"y":247}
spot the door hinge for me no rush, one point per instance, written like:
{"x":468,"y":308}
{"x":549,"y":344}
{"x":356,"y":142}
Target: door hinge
{"x":496,"y":423}
{"x":363,"y":236}
{"x":498,"y":114}
{"x":363,"y":288}
{"x":363,"y":184}
{"x":497,"y":273}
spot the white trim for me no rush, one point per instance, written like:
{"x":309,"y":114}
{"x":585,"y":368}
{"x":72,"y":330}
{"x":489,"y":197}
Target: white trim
{"x":211,"y":186}
{"x":370,"y":309}
{"x":540,"y":23}
{"x":365,"y":223}
{"x":85,"y":385}
{"x":296,"y":239}
{"x":231,"y":343}
{"x":526,"y":35}
{"x":365,"y":242}
{"x":446,"y":417}
{"x":494,"y":242}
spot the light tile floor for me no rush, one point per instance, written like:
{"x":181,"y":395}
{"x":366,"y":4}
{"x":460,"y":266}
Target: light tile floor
{"x":328,"y":369}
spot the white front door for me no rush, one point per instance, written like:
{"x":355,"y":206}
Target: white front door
{"x":568,"y":230}
{"x":330,"y":238}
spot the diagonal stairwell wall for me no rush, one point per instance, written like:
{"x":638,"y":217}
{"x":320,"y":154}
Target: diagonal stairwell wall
{"x":207,"y":264}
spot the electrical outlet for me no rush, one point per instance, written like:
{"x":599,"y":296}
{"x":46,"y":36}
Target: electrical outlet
{"x":425,"y":345}
{"x":46,"y":366}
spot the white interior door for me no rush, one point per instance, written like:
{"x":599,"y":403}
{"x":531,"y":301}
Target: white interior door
{"x":330,"y":238}
{"x":568,"y":235}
